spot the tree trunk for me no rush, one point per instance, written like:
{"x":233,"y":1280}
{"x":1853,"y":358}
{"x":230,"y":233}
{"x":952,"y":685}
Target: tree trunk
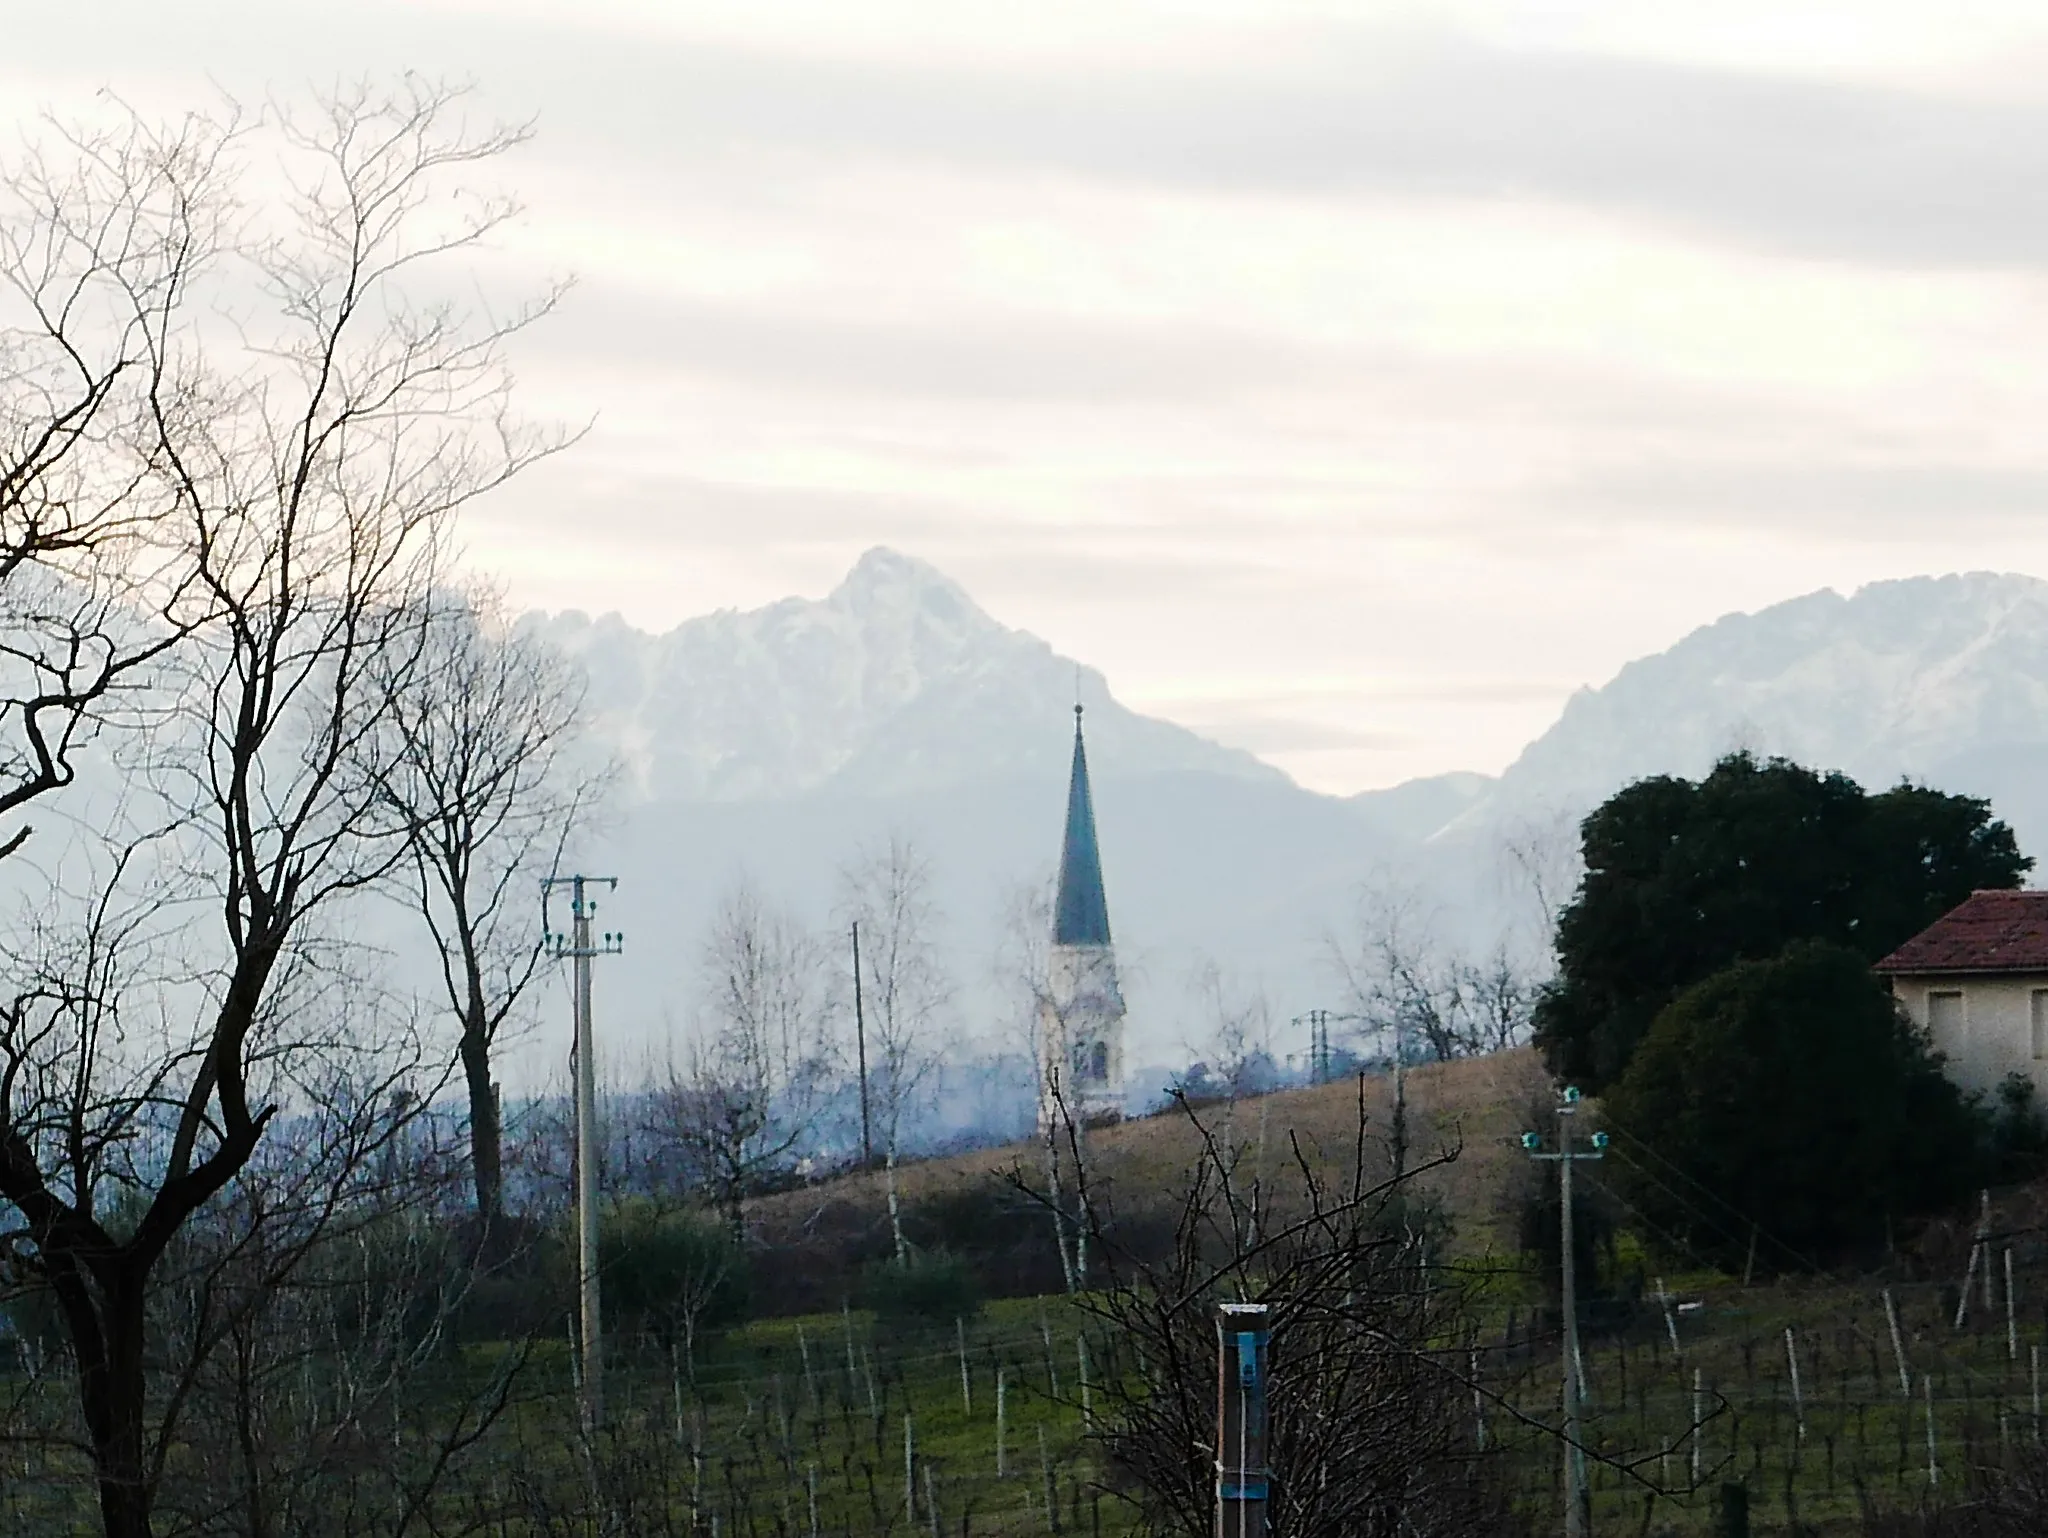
{"x":485,"y":1130}
{"x":107,"y":1342}
{"x":896,"y":1209}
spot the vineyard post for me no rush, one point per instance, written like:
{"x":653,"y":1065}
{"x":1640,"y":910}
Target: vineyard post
{"x":1891,"y":1317}
{"x":1052,"y":1500}
{"x":1052,"y":1372}
{"x":2012,"y":1327}
{"x":966,"y":1384}
{"x":1002,"y":1421}
{"x":811,"y":1485}
{"x":803,"y":1347}
{"x":931,"y":1500}
{"x":1927,"y":1395}
{"x":1478,"y":1401}
{"x":1699,"y":1421}
{"x":1081,"y":1367}
{"x":909,"y":1473}
{"x":1670,"y":1319}
{"x":1798,"y":1399}
{"x":1984,"y":1238}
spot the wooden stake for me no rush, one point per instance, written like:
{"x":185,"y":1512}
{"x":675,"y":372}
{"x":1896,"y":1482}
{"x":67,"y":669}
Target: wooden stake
{"x":1081,"y":1359}
{"x":1052,"y":1504}
{"x":1927,"y":1395}
{"x":909,"y":1473}
{"x":1670,"y":1319}
{"x":1699,"y":1421}
{"x":966,"y":1384}
{"x":1798,"y":1399}
{"x":1891,"y":1315}
{"x":2012,"y":1327}
{"x":1002,"y":1421}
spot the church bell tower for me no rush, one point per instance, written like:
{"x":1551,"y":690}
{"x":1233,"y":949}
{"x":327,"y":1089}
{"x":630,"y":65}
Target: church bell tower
{"x":1081,"y":1010}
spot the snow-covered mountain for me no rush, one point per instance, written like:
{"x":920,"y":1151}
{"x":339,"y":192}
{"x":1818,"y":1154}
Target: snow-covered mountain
{"x":772,"y":745}
{"x":894,"y":682}
{"x":1942,"y":680}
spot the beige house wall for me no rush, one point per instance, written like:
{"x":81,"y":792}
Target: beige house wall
{"x":1996,"y":1033}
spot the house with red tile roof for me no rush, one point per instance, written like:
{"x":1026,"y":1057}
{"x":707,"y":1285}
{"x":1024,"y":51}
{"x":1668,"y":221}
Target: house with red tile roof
{"x":1976,"y":980}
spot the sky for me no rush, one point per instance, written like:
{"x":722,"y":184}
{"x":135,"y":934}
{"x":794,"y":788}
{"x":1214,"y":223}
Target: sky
{"x":1349,"y":382}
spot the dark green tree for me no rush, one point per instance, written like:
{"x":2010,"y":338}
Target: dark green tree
{"x":1794,"y":1094}
{"x":670,"y":1275}
{"x":1685,"y":877}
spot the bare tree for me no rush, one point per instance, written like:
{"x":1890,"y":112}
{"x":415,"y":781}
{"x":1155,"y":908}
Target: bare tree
{"x":906,"y":992}
{"x":744,"y":1104}
{"x":316,"y":422}
{"x":1499,"y":996}
{"x":1368,"y":1426}
{"x":1023,"y":971}
{"x":474,"y":771}
{"x":103,"y":234}
{"x":1539,"y":862}
{"x":1402,"y":978}
{"x":1240,"y":1032}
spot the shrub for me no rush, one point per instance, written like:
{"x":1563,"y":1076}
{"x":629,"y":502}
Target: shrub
{"x":930,"y":1288}
{"x":1794,"y":1095}
{"x":669,"y":1273}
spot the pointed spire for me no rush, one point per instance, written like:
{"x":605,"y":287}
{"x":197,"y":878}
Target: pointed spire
{"x":1081,"y":916}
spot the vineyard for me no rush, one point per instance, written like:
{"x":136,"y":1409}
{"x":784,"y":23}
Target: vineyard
{"x":1823,"y":1400}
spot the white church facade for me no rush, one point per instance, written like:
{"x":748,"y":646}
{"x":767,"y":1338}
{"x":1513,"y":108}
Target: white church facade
{"x":1081,"y":1007}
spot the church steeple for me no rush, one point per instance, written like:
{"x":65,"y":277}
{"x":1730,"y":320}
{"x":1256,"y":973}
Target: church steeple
{"x":1081,"y":915}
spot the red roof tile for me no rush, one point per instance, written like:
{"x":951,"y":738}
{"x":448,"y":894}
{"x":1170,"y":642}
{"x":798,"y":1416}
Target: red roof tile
{"x":1989,"y":932}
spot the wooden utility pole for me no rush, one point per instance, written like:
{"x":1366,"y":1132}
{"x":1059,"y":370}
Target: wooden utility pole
{"x":1241,"y":1476}
{"x":860,"y":1047}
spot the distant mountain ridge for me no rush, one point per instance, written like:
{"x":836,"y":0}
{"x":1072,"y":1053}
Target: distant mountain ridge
{"x":1942,"y":680}
{"x":771,"y":745}
{"x":895,"y":681}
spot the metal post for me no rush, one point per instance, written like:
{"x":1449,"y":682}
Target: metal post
{"x":1241,"y":1366}
{"x":579,"y":947}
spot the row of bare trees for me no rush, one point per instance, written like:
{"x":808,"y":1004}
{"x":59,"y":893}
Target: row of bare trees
{"x":783,"y":1055}
{"x":246,"y":387}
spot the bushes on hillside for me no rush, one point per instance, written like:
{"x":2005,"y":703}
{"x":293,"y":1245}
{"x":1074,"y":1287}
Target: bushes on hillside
{"x":1792,"y":1092}
{"x":669,"y":1274}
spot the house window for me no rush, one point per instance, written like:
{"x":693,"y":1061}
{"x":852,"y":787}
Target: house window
{"x":1945,"y":1017}
{"x":1098,"y":1063}
{"x":2040,"y":1023}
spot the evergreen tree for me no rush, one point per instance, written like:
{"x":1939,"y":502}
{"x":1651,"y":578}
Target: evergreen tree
{"x":1685,"y":877}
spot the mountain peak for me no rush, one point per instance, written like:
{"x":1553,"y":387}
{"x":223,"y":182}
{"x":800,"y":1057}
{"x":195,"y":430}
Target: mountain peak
{"x":895,"y":681}
{"x":885,"y":580}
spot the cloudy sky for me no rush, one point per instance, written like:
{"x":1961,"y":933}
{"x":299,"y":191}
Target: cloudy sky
{"x":1349,"y":381}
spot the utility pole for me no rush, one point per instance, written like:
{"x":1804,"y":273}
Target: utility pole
{"x":1575,"y":1493}
{"x":860,"y":1046}
{"x":1241,"y":1474}
{"x":579,"y":947}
